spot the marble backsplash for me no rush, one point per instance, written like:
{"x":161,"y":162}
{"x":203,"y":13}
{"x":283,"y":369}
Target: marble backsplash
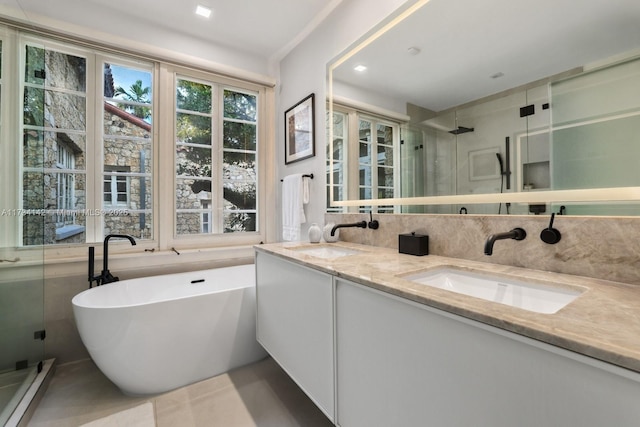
{"x":600,"y":247}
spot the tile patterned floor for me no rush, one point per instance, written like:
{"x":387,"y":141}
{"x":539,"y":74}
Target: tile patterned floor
{"x":260,"y":394}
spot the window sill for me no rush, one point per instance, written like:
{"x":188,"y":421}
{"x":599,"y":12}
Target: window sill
{"x":128,"y":265}
{"x":68,"y":231}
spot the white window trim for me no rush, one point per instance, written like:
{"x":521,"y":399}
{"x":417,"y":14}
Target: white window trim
{"x":167,"y":154}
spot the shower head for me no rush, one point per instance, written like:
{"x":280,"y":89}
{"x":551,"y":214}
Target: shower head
{"x":460,"y":129}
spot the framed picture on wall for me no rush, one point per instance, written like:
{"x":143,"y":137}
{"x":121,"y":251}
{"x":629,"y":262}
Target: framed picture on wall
{"x":299,"y":133}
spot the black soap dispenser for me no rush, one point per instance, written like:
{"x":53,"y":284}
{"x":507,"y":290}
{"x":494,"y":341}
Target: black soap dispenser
{"x":413,"y":244}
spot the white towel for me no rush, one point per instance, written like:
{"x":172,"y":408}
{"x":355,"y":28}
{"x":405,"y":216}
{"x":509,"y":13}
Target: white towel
{"x":295,"y":192}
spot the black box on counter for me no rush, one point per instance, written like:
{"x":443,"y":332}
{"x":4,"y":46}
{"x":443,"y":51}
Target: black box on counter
{"x":413,"y":244}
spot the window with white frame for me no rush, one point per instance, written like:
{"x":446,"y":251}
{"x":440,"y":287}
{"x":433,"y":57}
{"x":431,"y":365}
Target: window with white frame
{"x":376,"y":160}
{"x":216,"y":158}
{"x":74,"y":119}
{"x":54,"y":130}
{"x":127,"y":146}
{"x":116,"y":191}
{"x":87,"y":147}
{"x":372,"y":173}
{"x":336,"y":159}
{"x":205,"y":220}
{"x":65,"y":188}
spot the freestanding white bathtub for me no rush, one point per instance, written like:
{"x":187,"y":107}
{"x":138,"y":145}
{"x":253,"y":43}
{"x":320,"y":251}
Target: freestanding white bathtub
{"x":158,"y":333}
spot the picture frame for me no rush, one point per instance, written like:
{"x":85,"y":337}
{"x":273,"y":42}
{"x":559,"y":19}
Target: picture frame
{"x":483,"y":164}
{"x":299,"y":132}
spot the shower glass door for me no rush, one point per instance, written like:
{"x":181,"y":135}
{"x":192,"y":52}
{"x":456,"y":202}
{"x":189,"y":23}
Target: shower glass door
{"x":21,"y":268}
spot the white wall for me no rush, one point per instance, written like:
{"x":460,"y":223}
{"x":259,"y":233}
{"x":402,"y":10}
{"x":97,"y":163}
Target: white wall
{"x":303,"y":71}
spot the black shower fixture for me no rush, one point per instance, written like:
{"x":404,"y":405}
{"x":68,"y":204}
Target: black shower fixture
{"x":460,"y":129}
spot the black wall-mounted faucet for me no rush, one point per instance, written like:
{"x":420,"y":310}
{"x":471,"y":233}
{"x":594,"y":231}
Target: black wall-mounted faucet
{"x":361,"y":224}
{"x":515,"y":234}
{"x":105,"y":276}
{"x":372,"y":224}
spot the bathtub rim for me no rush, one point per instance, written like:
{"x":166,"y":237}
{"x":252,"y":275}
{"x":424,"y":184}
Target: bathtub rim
{"x":82,"y":301}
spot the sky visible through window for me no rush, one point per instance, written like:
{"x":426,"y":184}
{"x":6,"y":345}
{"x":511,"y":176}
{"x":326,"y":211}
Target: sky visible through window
{"x":125,"y":77}
{"x":136,"y":85}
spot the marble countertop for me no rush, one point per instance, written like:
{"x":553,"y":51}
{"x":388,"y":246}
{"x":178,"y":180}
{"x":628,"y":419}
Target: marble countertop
{"x":603,"y":322}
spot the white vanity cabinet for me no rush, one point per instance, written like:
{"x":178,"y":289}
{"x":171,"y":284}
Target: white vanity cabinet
{"x":295,"y":324}
{"x":400,"y":363}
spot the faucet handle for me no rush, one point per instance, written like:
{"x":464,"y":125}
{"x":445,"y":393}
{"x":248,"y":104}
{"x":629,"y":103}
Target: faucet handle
{"x":551,"y":235}
{"x":373,"y":223}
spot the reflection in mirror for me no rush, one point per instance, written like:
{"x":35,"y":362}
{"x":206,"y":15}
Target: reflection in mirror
{"x":478,"y":111}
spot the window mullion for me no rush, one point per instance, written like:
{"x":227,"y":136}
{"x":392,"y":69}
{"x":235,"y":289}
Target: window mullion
{"x":396,"y":168}
{"x":94,"y":180}
{"x":20,"y":75}
{"x":10,"y":153}
{"x":353,"y":168}
{"x":166,"y":157}
{"x":373,"y":161}
{"x":217,"y":157}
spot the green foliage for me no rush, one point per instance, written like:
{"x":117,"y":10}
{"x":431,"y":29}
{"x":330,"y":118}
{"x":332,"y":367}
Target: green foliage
{"x":34,"y":97}
{"x":193,"y":129}
{"x":136,"y":93}
{"x":33,"y":106}
{"x":193,"y":96}
{"x":239,"y":106}
{"x":240,"y":136}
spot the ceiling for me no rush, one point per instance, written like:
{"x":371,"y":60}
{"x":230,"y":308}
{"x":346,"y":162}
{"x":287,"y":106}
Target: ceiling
{"x":462,"y":43}
{"x":265,"y":28}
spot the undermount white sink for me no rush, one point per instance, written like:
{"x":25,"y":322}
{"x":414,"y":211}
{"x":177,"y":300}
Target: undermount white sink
{"x":326,"y":252}
{"x":536,"y":297}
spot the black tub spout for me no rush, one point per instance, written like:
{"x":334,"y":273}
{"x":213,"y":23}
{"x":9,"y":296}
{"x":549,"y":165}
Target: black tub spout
{"x":106,"y":276}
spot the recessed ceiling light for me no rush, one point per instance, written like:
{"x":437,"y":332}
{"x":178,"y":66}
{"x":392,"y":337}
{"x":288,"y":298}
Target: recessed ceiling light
{"x":413,"y":50}
{"x":497,"y":75}
{"x":360,"y":68}
{"x":203,"y":11}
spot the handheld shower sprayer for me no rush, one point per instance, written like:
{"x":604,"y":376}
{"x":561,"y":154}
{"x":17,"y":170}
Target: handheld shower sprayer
{"x":503,"y":176}
{"x":501,"y":163}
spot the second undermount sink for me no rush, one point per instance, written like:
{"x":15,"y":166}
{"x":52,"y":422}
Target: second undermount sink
{"x":531,"y":296}
{"x":327,"y":252}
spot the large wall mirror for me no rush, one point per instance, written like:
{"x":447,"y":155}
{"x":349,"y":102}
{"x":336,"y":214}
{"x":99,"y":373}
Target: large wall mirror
{"x":500,"y":106}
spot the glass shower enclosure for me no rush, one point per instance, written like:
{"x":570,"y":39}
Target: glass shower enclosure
{"x":21,"y":328}
{"x":21,"y":269}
